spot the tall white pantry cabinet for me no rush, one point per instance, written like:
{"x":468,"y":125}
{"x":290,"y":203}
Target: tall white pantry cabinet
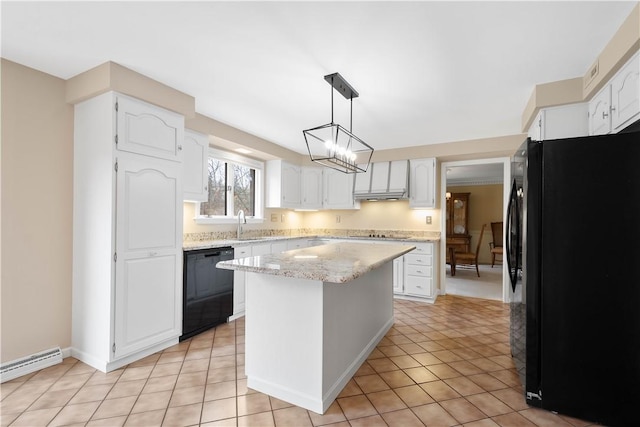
{"x":127,"y":230}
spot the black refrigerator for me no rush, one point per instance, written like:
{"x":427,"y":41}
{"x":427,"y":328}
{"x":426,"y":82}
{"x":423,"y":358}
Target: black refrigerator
{"x":572,"y":243}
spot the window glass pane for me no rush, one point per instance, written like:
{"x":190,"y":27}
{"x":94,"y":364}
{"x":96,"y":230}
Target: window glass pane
{"x":244,"y":189}
{"x":217,"y":203}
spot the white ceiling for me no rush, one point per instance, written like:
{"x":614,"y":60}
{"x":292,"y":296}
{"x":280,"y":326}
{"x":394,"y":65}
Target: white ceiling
{"x":427,"y":72}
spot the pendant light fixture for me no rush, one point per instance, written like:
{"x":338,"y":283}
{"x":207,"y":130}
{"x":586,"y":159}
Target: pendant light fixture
{"x":334,"y":146}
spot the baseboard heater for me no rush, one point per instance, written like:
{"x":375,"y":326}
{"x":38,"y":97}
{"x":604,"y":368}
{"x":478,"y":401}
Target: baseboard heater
{"x":26,"y":365}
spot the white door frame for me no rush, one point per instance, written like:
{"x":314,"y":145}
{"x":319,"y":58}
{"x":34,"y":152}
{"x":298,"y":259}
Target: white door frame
{"x":506,"y":162}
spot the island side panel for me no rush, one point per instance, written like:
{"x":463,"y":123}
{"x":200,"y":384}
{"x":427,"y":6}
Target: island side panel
{"x":357,"y":315}
{"x":283,"y":338}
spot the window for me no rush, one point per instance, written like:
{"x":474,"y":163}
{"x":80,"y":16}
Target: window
{"x":235,"y":183}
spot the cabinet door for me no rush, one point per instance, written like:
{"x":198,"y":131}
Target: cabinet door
{"x":338,"y":190}
{"x":625,"y":95}
{"x":277,"y":247}
{"x":398,"y":175}
{"x":311,"y":188}
{"x":422,"y":183}
{"x":239,"y":281}
{"x":291,"y":189}
{"x":261,"y":249}
{"x":148,"y":288}
{"x":194,"y":167}
{"x":398,"y":275}
{"x":146,"y":129}
{"x":599,"y":112}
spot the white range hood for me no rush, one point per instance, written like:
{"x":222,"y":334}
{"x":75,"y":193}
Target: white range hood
{"x":383,"y":181}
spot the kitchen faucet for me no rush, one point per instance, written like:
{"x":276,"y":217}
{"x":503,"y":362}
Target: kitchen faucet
{"x":241,"y":220}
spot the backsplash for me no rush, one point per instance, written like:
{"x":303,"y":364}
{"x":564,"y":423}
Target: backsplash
{"x":230,"y":235}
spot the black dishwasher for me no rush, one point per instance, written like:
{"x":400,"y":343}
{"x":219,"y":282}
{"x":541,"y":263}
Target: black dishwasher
{"x":207,"y":290}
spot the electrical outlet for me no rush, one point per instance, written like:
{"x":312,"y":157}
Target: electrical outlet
{"x":274,"y":217}
{"x":337,"y":219}
{"x":428,"y":219}
{"x":281,"y":217}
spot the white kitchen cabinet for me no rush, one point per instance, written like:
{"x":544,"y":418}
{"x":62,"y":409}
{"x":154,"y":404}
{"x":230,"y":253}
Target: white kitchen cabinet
{"x":239,"y":282}
{"x":195,"y":173}
{"x":599,"y":112}
{"x":422,"y":183}
{"x":398,"y":275}
{"x":311,"y":197}
{"x":418,"y":273}
{"x":617,"y":104}
{"x":297,"y":243}
{"x":379,"y":177}
{"x":283,"y":185}
{"x":563,"y":121}
{"x":279,"y":246}
{"x":338,"y":190}
{"x":145,"y":129}
{"x":625,"y":95}
{"x":127,"y":231}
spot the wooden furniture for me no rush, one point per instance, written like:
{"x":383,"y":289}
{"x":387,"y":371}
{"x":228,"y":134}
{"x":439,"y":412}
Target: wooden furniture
{"x":496,"y":245}
{"x":458,"y":236}
{"x":468,"y":258}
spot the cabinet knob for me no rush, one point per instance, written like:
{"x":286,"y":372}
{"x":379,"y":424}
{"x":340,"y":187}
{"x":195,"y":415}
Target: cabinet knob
{"x":179,"y":147}
{"x":605,"y":115}
{"x":206,"y":188}
{"x":612,"y":108}
{"x":153,"y":253}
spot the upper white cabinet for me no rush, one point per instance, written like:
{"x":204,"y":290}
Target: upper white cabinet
{"x":422,"y":183}
{"x":196,"y":177}
{"x":564,"y":121}
{"x":283,"y":185}
{"x":363,"y":181}
{"x":617,"y":105}
{"x":311,"y":197}
{"x":379,"y":177}
{"x":127,"y":231}
{"x":145,"y":129}
{"x":337,"y":188}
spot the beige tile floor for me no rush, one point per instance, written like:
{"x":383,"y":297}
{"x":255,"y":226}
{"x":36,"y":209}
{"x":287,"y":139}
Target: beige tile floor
{"x":444,"y":364}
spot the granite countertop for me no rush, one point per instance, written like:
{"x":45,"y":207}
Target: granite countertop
{"x":219,"y":243}
{"x":336,"y":263}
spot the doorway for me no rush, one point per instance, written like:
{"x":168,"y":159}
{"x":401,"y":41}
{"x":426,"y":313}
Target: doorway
{"x":464,"y":175}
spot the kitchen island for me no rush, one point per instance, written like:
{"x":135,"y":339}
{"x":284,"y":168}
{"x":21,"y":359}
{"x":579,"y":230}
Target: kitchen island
{"x":313,"y":316}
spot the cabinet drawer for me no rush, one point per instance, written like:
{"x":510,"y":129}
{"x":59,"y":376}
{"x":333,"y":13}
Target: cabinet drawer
{"x":419,"y":286}
{"x":418,"y":259}
{"x":424,"y":248}
{"x":242,"y":252}
{"x":419,"y":270}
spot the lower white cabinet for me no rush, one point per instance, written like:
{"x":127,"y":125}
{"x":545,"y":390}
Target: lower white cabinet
{"x":417,"y":277}
{"x":254,"y":249}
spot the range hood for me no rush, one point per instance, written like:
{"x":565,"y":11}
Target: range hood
{"x":383,"y":181}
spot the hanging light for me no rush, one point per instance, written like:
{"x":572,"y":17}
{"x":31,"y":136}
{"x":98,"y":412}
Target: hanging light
{"x":334,"y":146}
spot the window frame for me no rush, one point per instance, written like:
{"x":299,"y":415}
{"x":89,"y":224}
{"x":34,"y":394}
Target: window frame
{"x":259,"y":168}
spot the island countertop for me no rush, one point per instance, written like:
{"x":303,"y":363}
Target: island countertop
{"x":336,"y":263}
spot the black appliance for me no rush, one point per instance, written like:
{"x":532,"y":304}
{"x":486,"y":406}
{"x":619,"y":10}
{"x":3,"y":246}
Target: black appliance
{"x":207,"y":290}
{"x":573,"y":237}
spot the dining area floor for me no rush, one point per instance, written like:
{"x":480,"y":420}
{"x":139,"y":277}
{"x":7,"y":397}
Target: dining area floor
{"x":442,"y":364}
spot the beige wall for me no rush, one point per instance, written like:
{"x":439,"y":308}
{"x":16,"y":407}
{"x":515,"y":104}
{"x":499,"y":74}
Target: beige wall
{"x":485,"y":207}
{"x":37,"y":156}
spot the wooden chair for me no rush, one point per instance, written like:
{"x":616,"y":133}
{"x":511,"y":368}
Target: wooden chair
{"x":496,"y":245}
{"x":469,"y":258}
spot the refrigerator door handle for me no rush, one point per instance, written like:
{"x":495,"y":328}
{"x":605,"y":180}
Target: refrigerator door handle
{"x":512,"y":208}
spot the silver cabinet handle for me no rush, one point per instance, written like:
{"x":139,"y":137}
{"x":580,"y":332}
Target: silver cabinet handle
{"x":153,"y":253}
{"x":612,"y":108}
{"x":604,"y":115}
